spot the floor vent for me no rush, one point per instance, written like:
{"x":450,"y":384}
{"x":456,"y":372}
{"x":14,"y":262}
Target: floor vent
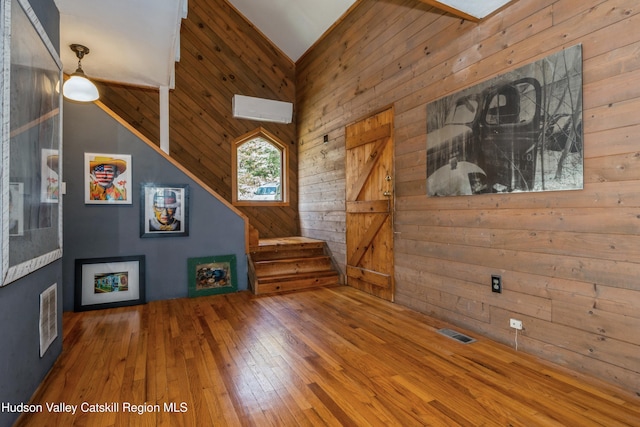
{"x":464,"y":339}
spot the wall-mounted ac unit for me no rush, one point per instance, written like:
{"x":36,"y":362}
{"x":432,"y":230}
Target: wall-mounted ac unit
{"x":266,"y":110}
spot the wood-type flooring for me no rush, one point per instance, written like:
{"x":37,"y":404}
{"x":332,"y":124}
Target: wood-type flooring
{"x":326,"y":356}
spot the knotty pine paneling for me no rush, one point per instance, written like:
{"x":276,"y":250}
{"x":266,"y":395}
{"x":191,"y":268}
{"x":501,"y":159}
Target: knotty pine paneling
{"x":569,"y":260}
{"x":221,"y":54}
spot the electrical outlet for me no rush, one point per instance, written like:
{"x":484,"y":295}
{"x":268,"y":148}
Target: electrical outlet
{"x":496,"y":283}
{"x":516,"y":324}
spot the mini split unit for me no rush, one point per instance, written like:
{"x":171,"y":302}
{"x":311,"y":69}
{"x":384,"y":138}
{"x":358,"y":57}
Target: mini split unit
{"x":266,"y":110}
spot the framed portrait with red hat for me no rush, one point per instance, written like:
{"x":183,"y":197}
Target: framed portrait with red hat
{"x":164,"y":210}
{"x":107,"y":178}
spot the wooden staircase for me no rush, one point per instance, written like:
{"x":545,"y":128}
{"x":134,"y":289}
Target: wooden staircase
{"x":289,"y":264}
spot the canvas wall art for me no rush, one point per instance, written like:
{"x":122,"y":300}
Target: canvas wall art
{"x":107,"y":178}
{"x":164,"y":210}
{"x":518,"y":132}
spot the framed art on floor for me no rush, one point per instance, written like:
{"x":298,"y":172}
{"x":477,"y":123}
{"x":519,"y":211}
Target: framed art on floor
{"x":212,"y":275}
{"x":109,"y":282}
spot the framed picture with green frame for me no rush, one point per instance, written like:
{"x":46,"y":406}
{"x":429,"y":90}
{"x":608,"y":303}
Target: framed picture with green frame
{"x":212,"y":275}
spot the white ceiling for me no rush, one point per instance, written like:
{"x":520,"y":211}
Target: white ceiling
{"x":137,"y":42}
{"x":293,"y":25}
{"x":131,"y":41}
{"x":477,"y":9}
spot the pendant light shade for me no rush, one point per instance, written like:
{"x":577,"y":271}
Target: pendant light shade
{"x":78,"y":87}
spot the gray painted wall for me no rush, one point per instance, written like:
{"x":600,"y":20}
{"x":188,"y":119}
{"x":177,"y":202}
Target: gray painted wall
{"x":96,"y":231}
{"x":21,"y":368}
{"x":104,"y":231}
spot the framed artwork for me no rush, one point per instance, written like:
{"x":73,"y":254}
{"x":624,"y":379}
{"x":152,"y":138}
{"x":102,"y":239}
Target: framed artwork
{"x":31,"y":122}
{"x":212,"y":275}
{"x":164,"y":210}
{"x":518,"y":132}
{"x":109,"y":282}
{"x":107,"y":178}
{"x":16,"y":209}
{"x":49,"y":181}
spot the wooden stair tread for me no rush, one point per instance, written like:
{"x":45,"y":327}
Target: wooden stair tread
{"x":288,"y":254}
{"x":293,"y":260}
{"x":290,"y":263}
{"x":299,"y":276}
{"x":295,"y":285}
{"x":286,"y":243}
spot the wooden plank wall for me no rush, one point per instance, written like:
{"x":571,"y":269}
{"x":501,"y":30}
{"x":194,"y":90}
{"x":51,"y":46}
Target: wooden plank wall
{"x":570,"y":261}
{"x":221,"y":54}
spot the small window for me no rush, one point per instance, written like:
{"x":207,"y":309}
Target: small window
{"x":259,"y":170}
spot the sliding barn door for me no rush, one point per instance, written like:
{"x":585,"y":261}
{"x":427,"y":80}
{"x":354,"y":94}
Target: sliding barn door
{"x":369,"y":181}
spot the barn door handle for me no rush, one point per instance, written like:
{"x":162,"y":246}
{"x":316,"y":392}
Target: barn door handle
{"x":387,"y":193}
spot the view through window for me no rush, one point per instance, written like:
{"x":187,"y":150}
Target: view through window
{"x":259,"y":164}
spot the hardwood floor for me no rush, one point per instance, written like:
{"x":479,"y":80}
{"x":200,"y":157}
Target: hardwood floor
{"x":325,"y":356}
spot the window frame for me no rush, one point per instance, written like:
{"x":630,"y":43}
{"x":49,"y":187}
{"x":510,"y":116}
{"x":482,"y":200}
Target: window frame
{"x":284,"y":179}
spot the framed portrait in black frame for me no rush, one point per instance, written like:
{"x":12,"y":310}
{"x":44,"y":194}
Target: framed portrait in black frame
{"x":164,"y":210}
{"x":109,"y":282}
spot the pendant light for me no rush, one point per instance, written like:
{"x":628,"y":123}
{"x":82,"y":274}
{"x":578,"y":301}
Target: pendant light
{"x":78,"y":87}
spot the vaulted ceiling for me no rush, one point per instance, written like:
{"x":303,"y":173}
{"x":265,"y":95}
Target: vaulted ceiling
{"x":138,"y":42}
{"x":132,"y":42}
